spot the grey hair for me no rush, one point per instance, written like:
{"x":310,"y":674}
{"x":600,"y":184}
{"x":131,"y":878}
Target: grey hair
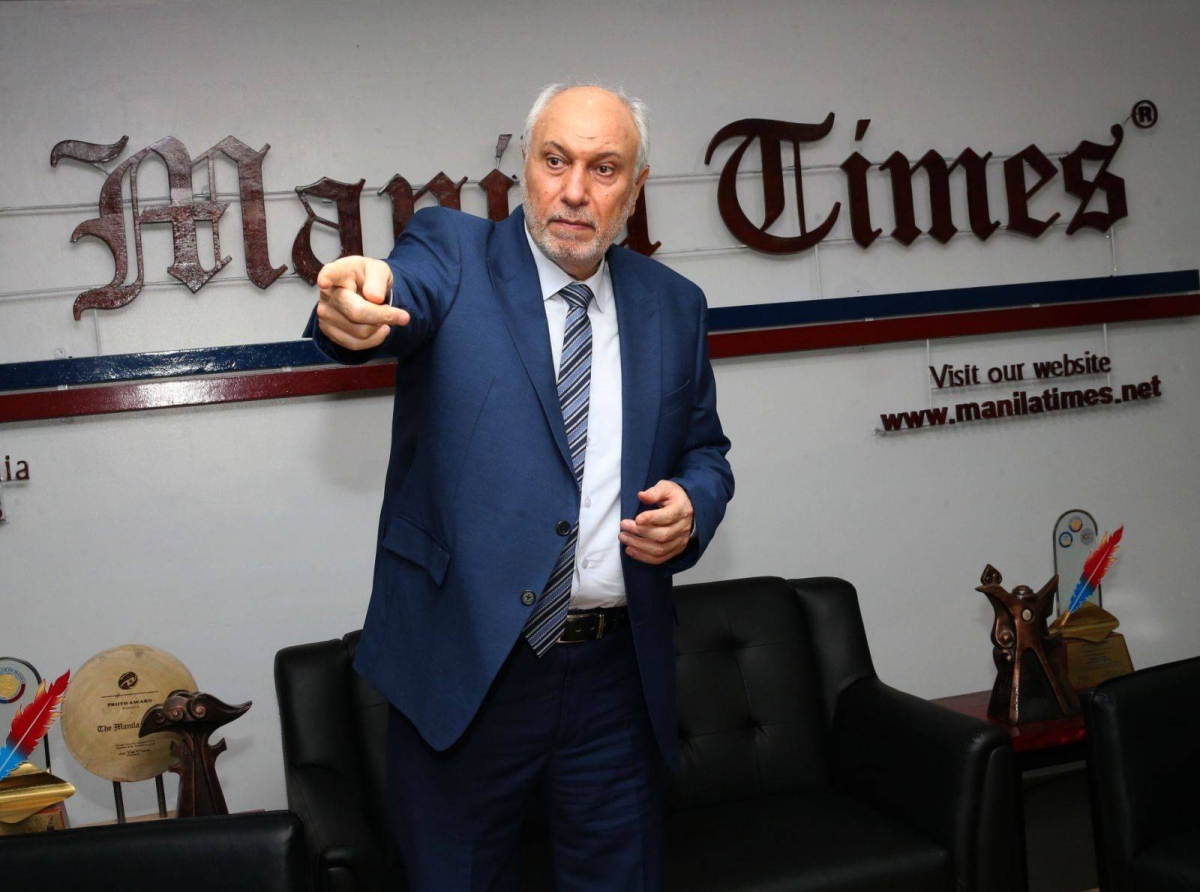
{"x":637,"y":111}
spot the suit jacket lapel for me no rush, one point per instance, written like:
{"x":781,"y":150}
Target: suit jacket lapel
{"x":515,"y":282}
{"x":640,"y":327}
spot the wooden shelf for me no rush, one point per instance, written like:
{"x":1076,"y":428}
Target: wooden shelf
{"x":1030,"y":737}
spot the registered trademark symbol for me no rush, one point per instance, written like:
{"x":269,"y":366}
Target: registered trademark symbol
{"x":1144,"y":114}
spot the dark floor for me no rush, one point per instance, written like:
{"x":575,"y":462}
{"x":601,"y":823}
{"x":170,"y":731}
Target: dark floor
{"x":1058,"y":830}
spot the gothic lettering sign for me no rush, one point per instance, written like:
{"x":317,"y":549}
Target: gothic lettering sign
{"x":184,"y":210}
{"x":1026,"y":173}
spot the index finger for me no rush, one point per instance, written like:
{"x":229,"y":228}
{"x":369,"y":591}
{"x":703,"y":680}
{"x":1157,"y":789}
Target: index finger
{"x":360,"y":311}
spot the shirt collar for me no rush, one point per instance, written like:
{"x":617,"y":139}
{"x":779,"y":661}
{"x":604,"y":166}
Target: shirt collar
{"x":553,"y":278}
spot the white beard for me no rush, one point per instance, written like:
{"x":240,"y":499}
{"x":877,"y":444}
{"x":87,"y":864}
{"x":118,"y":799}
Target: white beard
{"x":569,"y":251}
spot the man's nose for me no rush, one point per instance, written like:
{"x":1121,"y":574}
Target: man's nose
{"x":575,"y":189}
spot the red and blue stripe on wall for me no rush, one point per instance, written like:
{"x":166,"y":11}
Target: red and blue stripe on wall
{"x":99,"y":385}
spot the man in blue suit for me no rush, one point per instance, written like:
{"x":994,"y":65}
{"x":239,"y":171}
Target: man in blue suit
{"x":556,"y":456}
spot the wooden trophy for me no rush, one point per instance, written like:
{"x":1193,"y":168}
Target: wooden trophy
{"x":1031,"y":680}
{"x":194,"y":716}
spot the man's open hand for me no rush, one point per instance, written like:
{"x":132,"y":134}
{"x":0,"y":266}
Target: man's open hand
{"x":352,"y":309}
{"x":659,"y":534}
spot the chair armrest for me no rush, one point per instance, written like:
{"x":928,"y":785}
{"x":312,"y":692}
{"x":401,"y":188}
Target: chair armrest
{"x":948,"y":775}
{"x":338,"y":833}
{"x":839,"y":640}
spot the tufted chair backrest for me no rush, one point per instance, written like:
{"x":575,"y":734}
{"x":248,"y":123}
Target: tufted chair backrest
{"x":759,"y":665}
{"x":752,"y":714}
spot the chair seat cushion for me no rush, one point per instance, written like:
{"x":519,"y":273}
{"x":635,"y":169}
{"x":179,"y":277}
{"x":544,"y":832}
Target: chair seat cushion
{"x":1170,"y":865}
{"x":814,"y":841}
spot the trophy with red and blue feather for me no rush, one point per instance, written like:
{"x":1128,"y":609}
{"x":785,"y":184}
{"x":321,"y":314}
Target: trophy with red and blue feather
{"x":25,"y":789}
{"x":1095,"y":651}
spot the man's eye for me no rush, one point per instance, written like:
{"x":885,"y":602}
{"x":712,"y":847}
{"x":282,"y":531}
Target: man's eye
{"x":605,"y":169}
{"x":554,"y":161}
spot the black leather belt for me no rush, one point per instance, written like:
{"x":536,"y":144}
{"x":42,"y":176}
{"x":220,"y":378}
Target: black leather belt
{"x":588,"y":625}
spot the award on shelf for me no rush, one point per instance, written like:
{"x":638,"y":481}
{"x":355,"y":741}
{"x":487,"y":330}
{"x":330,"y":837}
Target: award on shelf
{"x":30,"y":796}
{"x":1095,"y":651}
{"x":103,"y":710}
{"x":1031,"y":680}
{"x":102,"y":716}
{"x":1074,"y":540}
{"x":195,"y":715}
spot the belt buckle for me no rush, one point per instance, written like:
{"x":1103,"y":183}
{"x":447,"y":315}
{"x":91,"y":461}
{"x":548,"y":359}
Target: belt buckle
{"x":562,"y":639}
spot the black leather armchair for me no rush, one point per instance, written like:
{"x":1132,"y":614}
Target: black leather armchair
{"x":1144,"y":768}
{"x":800,"y":769}
{"x":256,"y":852}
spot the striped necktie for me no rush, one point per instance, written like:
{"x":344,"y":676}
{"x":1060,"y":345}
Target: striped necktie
{"x":545,"y":624}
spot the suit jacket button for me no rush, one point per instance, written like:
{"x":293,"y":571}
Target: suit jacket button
{"x":528,"y":597}
{"x":563,"y":528}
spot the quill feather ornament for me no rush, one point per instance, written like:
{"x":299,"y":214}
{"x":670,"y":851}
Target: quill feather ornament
{"x":31,"y":723}
{"x":1094,"y":568}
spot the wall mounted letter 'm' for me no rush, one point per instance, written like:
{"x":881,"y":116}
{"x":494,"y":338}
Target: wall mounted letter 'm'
{"x":182,"y":212}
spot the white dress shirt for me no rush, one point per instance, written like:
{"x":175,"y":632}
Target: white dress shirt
{"x":598,"y":580}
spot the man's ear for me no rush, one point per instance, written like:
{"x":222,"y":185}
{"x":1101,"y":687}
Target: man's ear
{"x":641,"y":180}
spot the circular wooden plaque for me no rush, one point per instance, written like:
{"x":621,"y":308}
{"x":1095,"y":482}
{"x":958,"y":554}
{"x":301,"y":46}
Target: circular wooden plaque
{"x":103,"y":710}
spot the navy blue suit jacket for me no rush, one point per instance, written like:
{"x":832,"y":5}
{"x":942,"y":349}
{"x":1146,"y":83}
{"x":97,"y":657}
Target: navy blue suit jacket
{"x":480,"y":475}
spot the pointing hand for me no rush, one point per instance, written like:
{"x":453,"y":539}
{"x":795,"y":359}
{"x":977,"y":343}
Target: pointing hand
{"x":352,"y":309}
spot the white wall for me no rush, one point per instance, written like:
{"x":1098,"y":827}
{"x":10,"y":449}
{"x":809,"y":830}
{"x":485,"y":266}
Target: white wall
{"x":224,"y":533}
